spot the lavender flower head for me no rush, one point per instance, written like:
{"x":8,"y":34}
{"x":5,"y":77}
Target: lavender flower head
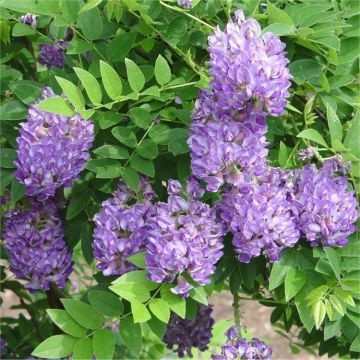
{"x":183,"y":236}
{"x":183,"y":334}
{"x":248,"y":67}
{"x":327,"y":209}
{"x":185,"y":3}
{"x":239,"y":348}
{"x":53,"y":54}
{"x":34,"y":240}
{"x":52,"y":150}
{"x":225,"y":146}
{"x":119,"y":229}
{"x":261,"y":219}
{"x":29,"y":19}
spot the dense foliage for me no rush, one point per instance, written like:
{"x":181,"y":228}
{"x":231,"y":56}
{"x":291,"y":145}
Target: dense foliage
{"x":154,"y":152}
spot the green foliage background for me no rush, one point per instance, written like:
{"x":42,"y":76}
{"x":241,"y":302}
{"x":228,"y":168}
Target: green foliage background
{"x":145,"y":57}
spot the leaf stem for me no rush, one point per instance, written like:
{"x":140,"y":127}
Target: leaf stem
{"x":236,"y":306}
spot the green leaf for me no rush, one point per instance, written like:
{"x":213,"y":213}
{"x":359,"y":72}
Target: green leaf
{"x":83,"y":350}
{"x":147,"y":149}
{"x":162,"y":71}
{"x":313,"y":135}
{"x":336,"y":304}
{"x":305,"y":69}
{"x":140,"y":117}
{"x":179,"y":146}
{"x":160,"y":309}
{"x":318,"y":312}
{"x":20,"y":29}
{"x":138,"y":259}
{"x":7,"y":158}
{"x":338,"y":81}
{"x":125,"y":136}
{"x":131,"y":291}
{"x":138,"y":277}
{"x":106,"y":303}
{"x":279,"y":29}
{"x":355,"y":345}
{"x":72,"y":92}
{"x":158,"y":327}
{"x":63,"y":321}
{"x":142,"y":165}
{"x":111,"y":80}
{"x":130,"y":334}
{"x":77,"y":204}
{"x":334,"y":260}
{"x":334,"y":125}
{"x":176,"y":303}
{"x":302,"y":308}
{"x":13,"y":110}
{"x":120,"y":46}
{"x":22,"y":6}
{"x":135,"y":76}
{"x":278,"y":16}
{"x":26,"y":90}
{"x":140,"y":312}
{"x":294,"y":281}
{"x":90,"y":5}
{"x":83,"y":313}
{"x":90,"y":23}
{"x":331,"y":328}
{"x":280,"y":268}
{"x":56,"y":105}
{"x":86,"y":241}
{"x":283,"y":155}
{"x":57,"y":346}
{"x":109,"y":171}
{"x":112,"y":152}
{"x":103,"y":344}
{"x":131,"y":177}
{"x":349,"y":49}
{"x":352,"y":139}
{"x":198,"y":293}
{"x":17,"y":190}
{"x":90,"y":84}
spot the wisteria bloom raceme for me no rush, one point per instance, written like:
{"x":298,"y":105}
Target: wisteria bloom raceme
{"x":185,"y":3}
{"x":183,"y":236}
{"x":53,"y":54}
{"x":261,"y":219}
{"x":52,"y":150}
{"x":239,"y":348}
{"x":248,"y":67}
{"x":183,"y":334}
{"x":226,"y":151}
{"x":34,"y":239}
{"x":119,"y":229}
{"x":29,"y":19}
{"x":327,"y":209}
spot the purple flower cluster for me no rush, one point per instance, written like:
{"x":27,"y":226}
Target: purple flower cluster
{"x":35,"y":243}
{"x":29,"y":19}
{"x":261,"y":219}
{"x":52,"y":150}
{"x":119,"y":229}
{"x":327,"y":209}
{"x":239,"y":348}
{"x":53,"y":54}
{"x":223,"y":150}
{"x":248,"y":67}
{"x":185,"y":3}
{"x":183,"y":334}
{"x":183,"y":235}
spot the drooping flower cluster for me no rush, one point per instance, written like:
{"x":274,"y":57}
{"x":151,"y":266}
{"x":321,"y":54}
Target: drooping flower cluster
{"x":119,"y":228}
{"x":248,"y":67}
{"x":29,"y":19}
{"x":239,"y":348}
{"x":52,"y":150}
{"x":183,"y":334}
{"x":185,"y":3}
{"x":183,"y":235}
{"x":52,"y":54}
{"x":224,"y":151}
{"x":261,"y":219}
{"x":35,"y":243}
{"x":327,"y":210}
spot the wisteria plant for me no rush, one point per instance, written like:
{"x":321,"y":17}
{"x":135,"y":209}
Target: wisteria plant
{"x":156,"y":152}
